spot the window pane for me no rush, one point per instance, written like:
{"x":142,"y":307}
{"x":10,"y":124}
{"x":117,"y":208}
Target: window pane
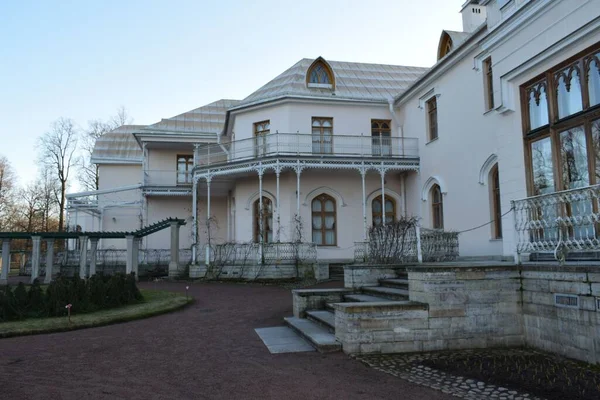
{"x":327,"y":123}
{"x":316,"y":205}
{"x":596,"y":148}
{"x":542,"y":166}
{"x":329,"y":222}
{"x":316,"y":222}
{"x":569,"y":92}
{"x":329,"y":206}
{"x":573,"y":152}
{"x":538,"y":106}
{"x":377,"y":206}
{"x":330,"y":237}
{"x":317,"y":237}
{"x":389,"y":206}
{"x":594,"y":80}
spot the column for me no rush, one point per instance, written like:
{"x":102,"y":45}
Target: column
{"x":93,"y":254}
{"x":208,"y":239}
{"x":35,"y":257}
{"x":298,"y":170}
{"x":135,"y":253}
{"x":277,"y":215}
{"x":49,"y":260}
{"x":5,"y":261}
{"x":129,"y":262}
{"x":83,"y":257}
{"x":363,"y":173}
{"x":260,"y":205}
{"x":174,"y":262}
{"x":194,"y":217}
{"x":382,"y":172}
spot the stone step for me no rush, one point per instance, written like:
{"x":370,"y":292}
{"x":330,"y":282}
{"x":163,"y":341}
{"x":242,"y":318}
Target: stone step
{"x":363,"y":298}
{"x":323,"y":340}
{"x":394,"y":283}
{"x":387,"y":292}
{"x":325,"y":318}
{"x":329,"y":307}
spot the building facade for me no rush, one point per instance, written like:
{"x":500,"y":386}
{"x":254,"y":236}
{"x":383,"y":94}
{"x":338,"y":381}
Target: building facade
{"x":328,"y":149}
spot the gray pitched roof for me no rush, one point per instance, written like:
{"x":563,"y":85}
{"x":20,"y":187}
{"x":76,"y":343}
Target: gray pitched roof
{"x":353,"y":81}
{"x":206,"y":119}
{"x":118,"y":145}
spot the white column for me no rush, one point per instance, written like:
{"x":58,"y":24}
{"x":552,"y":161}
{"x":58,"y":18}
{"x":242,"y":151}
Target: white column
{"x":207,"y":259}
{"x":35,"y":257}
{"x":298,"y":172}
{"x":145,"y":162}
{"x":419,"y":250}
{"x":363,"y":174}
{"x":174,"y":262}
{"x":260,"y":206}
{"x":382,"y":172}
{"x":129,"y":262}
{"x":5,"y":261}
{"x":93,"y":254}
{"x":135,"y":256}
{"x":83,"y":257}
{"x":49,"y":260}
{"x":195,"y":218}
{"x":278,"y":215}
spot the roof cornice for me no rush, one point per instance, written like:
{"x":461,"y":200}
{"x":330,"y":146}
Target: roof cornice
{"x":305,"y":99}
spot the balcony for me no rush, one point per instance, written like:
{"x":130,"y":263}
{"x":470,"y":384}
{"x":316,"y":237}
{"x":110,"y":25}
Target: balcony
{"x":309,"y":146}
{"x":559,"y":223}
{"x":166,"y":178}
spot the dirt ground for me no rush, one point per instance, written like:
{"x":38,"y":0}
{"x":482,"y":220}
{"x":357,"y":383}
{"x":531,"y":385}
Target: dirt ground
{"x":209,"y":350}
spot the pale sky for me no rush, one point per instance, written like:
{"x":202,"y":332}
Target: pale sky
{"x":82,"y":59}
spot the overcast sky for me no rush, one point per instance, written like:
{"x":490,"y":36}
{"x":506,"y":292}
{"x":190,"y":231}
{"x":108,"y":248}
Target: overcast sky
{"x":84,"y":59}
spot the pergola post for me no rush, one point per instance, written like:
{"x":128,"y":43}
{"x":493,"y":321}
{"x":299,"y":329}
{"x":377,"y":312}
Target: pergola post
{"x":174,"y":263}
{"x":363,"y":173}
{"x":194,"y":216}
{"x":5,"y":261}
{"x":49,"y":260}
{"x":129,"y":262}
{"x":135,"y":256}
{"x":83,"y":257}
{"x":208,"y":227}
{"x":35,"y":257}
{"x":93,"y":254}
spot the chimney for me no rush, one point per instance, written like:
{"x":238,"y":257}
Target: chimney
{"x":473,"y":15}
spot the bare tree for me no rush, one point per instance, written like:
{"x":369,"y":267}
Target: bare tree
{"x":57,"y":154}
{"x":7,"y":190}
{"x":31,"y":208}
{"x":88,"y":174}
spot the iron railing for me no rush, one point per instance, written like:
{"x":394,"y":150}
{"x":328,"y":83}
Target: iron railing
{"x":570,"y":218}
{"x":436,"y":246}
{"x":170,"y":178}
{"x":231,"y":254}
{"x":299,"y":144}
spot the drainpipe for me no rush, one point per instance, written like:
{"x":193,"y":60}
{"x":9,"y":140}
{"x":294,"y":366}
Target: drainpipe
{"x":394,"y":116}
{"x":221,"y":144}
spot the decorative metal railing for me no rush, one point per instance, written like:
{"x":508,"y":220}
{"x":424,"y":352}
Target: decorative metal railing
{"x":171,"y":178}
{"x":299,"y":144}
{"x":569,"y":220}
{"x":436,"y":246}
{"x":231,"y":254}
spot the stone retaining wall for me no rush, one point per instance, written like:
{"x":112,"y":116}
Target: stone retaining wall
{"x":571,"y":327}
{"x":251,"y":272}
{"x":359,"y":275}
{"x":315,"y":299}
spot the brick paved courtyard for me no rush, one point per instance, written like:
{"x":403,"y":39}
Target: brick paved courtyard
{"x":206,"y":351}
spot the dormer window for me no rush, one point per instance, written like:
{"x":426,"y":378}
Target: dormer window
{"x":320,"y":75}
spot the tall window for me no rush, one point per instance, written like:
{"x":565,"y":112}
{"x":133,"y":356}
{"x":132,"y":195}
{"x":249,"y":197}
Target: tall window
{"x":266,"y":229}
{"x":437,"y":207}
{"x":261,"y":130}
{"x":495,"y":195}
{"x":381,"y":137}
{"x":432,"y":125}
{"x":378,"y":210}
{"x":322,"y":135}
{"x":488,"y":83}
{"x":185,"y":164}
{"x":324,"y":220}
{"x":560,"y":116}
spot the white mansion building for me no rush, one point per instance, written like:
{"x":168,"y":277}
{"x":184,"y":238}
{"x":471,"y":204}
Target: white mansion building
{"x":511,"y":110}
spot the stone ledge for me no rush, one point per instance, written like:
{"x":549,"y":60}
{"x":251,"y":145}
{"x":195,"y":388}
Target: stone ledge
{"x":378,"y":266}
{"x":563,"y":268}
{"x":466,"y":268}
{"x":319,"y":292}
{"x":361,"y":307}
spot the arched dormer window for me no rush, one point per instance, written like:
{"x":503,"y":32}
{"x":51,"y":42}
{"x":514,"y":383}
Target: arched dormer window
{"x":320,"y":75}
{"x":445,"y":45}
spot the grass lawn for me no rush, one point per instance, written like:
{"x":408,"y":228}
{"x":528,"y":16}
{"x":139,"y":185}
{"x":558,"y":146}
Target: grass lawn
{"x":155,"y":302}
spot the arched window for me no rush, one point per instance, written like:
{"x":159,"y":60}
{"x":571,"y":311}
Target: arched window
{"x":324,"y":220}
{"x":390,"y":210}
{"x":495,"y":203}
{"x":320,"y":74}
{"x":437,"y":207}
{"x":266,"y":230}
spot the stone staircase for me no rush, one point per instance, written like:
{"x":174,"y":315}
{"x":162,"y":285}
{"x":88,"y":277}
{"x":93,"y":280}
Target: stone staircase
{"x":318,"y":325}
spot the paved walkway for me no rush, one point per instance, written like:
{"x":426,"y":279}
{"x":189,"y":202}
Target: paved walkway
{"x":207,"y":351}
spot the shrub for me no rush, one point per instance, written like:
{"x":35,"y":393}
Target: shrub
{"x":97,"y":293}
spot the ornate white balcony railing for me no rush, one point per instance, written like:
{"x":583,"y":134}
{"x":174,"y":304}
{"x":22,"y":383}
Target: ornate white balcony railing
{"x":231,"y":254}
{"x":570,"y":218}
{"x":307,"y":145}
